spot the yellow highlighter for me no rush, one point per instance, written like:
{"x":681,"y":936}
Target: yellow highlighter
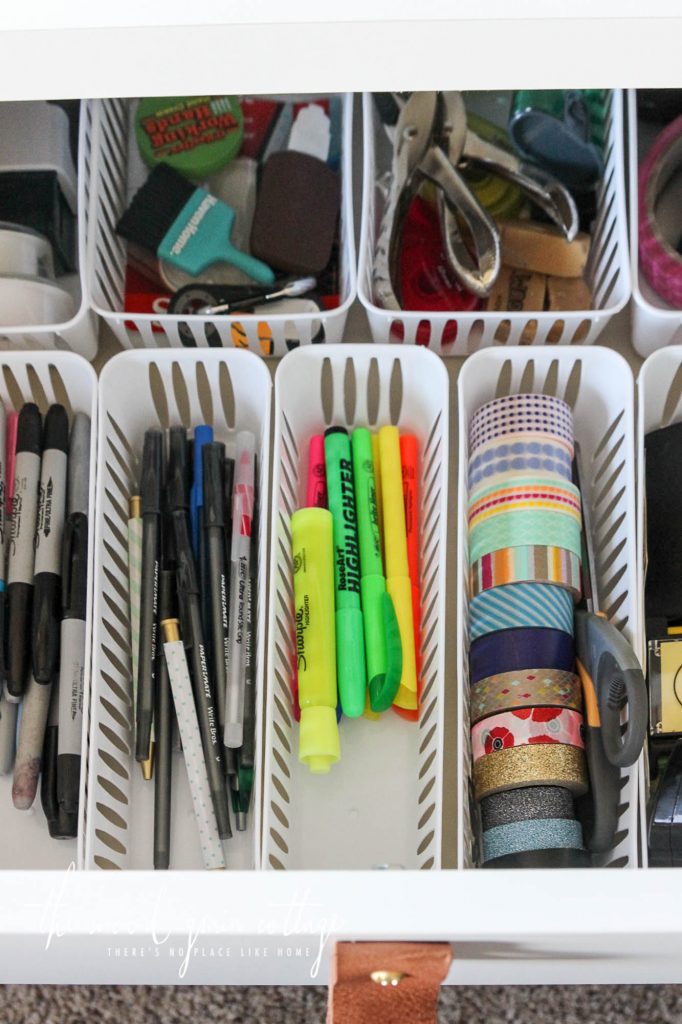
{"x":313,"y":552}
{"x":398,"y":582}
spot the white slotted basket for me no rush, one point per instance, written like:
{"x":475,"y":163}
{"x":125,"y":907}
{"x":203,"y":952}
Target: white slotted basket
{"x":381,"y":804}
{"x":654,"y":322}
{"x":80,"y":332}
{"x":598,"y":385}
{"x":228,"y":390}
{"x":45,"y":378}
{"x":107,"y":259}
{"x":607,"y":272}
{"x":659,"y":404}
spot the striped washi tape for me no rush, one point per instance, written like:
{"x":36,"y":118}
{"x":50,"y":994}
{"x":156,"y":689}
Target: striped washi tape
{"x":533,"y":687}
{"x":520,"y":604}
{"x":526,"y":413}
{"x":527,"y":528}
{"x":521,"y":836}
{"x":526,"y":564}
{"x":537,"y":764}
{"x":529,"y":804}
{"x":513,"y":497}
{"x":527,"y":725}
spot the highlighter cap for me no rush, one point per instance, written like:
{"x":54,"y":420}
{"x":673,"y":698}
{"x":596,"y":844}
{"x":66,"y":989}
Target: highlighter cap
{"x":318,"y":744}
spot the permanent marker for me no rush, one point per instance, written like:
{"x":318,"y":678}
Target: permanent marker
{"x":149,"y":591}
{"x":72,"y":662}
{"x":34,"y":711}
{"x":21,"y":549}
{"x":213,"y":456}
{"x":48,"y":544}
{"x":247,"y":753}
{"x":242,"y":512}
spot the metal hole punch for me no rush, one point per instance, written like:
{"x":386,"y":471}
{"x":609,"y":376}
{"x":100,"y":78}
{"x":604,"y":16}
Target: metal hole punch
{"x":432,"y":142}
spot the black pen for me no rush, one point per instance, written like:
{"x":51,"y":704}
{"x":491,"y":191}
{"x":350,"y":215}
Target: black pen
{"x":247,"y":754}
{"x":61,"y":824}
{"x":150,"y":493}
{"x":48,"y":544}
{"x":213,"y":456}
{"x":163,"y":730}
{"x":21,"y":548}
{"x":190,"y":615}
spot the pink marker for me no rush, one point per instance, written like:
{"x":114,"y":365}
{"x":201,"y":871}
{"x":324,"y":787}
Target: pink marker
{"x":316,"y":492}
{"x":10,"y":458}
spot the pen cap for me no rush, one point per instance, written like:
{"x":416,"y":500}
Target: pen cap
{"x":316,"y":487}
{"x":56,"y":429}
{"x":312,"y":548}
{"x":178,"y":468}
{"x":213,"y":458}
{"x":395,"y":539}
{"x":79,"y":465}
{"x":29,"y":429}
{"x":152,"y":459}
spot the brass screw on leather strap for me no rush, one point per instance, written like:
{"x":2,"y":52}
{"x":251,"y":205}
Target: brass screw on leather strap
{"x":386,"y":978}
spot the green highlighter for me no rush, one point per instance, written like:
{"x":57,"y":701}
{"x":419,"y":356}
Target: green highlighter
{"x":350,"y":640}
{"x":382,"y":633}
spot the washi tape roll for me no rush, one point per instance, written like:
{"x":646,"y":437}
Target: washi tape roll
{"x":538,"y":764}
{"x":529,"y":804}
{"x":526,"y":564}
{"x":534,"y":687}
{"x":499,"y":473}
{"x":517,"y":414}
{"x":659,"y":260}
{"x":520,"y":453}
{"x":541,"y":859}
{"x":513,"y":497}
{"x":527,"y":725}
{"x":522,"y":529}
{"x":520,"y":836}
{"x":513,"y":650}
{"x":520,"y":605}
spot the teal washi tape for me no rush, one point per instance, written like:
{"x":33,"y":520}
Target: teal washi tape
{"x":521,"y":604}
{"x":519,"y":836}
{"x":525,"y":528}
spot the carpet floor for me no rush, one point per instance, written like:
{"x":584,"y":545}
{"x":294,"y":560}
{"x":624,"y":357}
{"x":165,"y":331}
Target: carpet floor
{"x":42,"y":1004}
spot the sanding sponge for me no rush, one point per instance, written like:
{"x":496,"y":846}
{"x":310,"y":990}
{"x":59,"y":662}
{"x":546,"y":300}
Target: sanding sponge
{"x":296,"y":212}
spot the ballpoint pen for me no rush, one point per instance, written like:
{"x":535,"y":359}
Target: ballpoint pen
{"x":21,"y":548}
{"x":247,"y":752}
{"x":193,"y":637}
{"x":163,"y":727}
{"x":151,"y":516}
{"x":242,"y":511}
{"x":213,"y":455}
{"x":48,"y":544}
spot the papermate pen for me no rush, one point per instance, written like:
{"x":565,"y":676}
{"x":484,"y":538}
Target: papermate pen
{"x":409,"y":462}
{"x":214,"y":527}
{"x":192,"y":632}
{"x":398,"y":582}
{"x":350,"y":638}
{"x":72,"y":661}
{"x":242,"y":513}
{"x":312,"y":547}
{"x":150,"y":493}
{"x":382,"y":635}
{"x":48,"y":545}
{"x":34,"y":711}
{"x":247,"y":753}
{"x":202,"y":435}
{"x":163,"y":723}
{"x":21,"y":547}
{"x":8,"y":726}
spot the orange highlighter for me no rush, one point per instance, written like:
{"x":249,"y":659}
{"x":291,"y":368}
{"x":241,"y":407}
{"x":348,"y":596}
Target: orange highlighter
{"x":409,"y":462}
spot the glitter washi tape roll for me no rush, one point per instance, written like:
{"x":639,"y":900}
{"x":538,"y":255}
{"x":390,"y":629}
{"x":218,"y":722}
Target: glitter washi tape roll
{"x":534,"y":687}
{"x":520,"y":836}
{"x":513,"y":650}
{"x":519,"y":605}
{"x":517,"y":498}
{"x":525,"y":413}
{"x":534,"y":563}
{"x":529,"y":804}
{"x":525,"y":726}
{"x":538,"y":764}
{"x":528,"y":528}
{"x":659,"y":260}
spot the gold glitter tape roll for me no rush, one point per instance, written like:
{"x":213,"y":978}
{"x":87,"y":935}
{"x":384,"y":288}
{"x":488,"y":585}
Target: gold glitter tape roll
{"x":539,"y":764}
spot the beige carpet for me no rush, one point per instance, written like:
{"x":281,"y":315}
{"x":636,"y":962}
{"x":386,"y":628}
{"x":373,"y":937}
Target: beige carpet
{"x":37,"y":1004}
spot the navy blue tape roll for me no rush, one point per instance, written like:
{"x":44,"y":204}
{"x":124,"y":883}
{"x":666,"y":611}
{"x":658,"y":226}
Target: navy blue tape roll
{"x":516,"y":605}
{"x":511,"y":650}
{"x":521,"y":836}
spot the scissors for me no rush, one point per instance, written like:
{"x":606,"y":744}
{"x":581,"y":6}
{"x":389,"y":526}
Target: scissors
{"x":612,"y":680}
{"x":432,"y":142}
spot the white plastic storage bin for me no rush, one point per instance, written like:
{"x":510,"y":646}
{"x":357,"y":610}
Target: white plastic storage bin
{"x":139,"y":390}
{"x":45,"y":378}
{"x":598,"y":385}
{"x":107,"y":259}
{"x":454,"y":333}
{"x":654,"y":322}
{"x":78,"y":332}
{"x":380,"y":806}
